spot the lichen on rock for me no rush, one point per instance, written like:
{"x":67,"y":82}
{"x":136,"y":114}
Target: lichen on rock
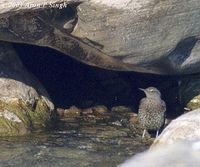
{"x":194,"y":103}
{"x":190,"y":92}
{"x":16,"y":118}
{"x":24,"y":104}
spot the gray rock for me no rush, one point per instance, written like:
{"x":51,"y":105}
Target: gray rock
{"x":186,"y":127}
{"x":24,"y":103}
{"x":148,"y":33}
{"x":177,"y":155}
{"x":16,"y":82}
{"x":146,"y":36}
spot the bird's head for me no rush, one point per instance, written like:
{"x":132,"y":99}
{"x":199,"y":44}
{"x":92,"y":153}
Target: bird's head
{"x":151,"y":92}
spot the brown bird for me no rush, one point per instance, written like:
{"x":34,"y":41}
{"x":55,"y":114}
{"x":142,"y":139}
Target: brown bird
{"x":151,"y":114}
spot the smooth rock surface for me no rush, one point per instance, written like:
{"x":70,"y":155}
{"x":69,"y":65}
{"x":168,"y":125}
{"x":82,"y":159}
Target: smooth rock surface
{"x":151,"y":36}
{"x":148,"y":33}
{"x":184,"y":128}
{"x":177,"y":155}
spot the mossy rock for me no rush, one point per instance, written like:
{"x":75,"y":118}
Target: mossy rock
{"x":194,"y":103}
{"x":19,"y":118}
{"x":190,"y":92}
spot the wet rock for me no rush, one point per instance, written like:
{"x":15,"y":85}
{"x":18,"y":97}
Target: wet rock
{"x":121,"y":109}
{"x":87,"y":111}
{"x":24,"y":103}
{"x":95,"y":119}
{"x":72,"y":112}
{"x":99,"y":110}
{"x":186,"y":127}
{"x":96,"y":110}
{"x":96,"y":113}
{"x":179,"y":154}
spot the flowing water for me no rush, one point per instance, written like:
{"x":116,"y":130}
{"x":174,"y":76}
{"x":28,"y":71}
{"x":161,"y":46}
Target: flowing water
{"x":71,"y":144}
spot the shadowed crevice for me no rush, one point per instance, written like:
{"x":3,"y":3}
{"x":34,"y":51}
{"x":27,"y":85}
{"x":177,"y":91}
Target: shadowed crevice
{"x":70,"y":82}
{"x":173,"y":61}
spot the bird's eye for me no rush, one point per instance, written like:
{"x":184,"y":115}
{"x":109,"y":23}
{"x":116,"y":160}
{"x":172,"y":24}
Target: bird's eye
{"x":151,"y":90}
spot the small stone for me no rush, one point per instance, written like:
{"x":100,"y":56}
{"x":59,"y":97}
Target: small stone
{"x":96,"y":110}
{"x":87,"y":111}
{"x":72,"y":112}
{"x":96,"y":113}
{"x":121,"y":109}
{"x":99,"y":109}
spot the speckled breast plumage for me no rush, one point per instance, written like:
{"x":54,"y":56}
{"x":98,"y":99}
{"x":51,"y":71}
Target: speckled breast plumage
{"x":151,"y":114}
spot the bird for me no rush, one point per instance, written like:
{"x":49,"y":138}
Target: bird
{"x":151,"y":112}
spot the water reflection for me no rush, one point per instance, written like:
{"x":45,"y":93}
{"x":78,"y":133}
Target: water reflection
{"x":71,"y":144}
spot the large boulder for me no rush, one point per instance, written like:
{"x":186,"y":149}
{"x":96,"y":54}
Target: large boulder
{"x":151,"y":36}
{"x":179,"y":154}
{"x":184,"y":128}
{"x":24,"y":103}
{"x":154,"y":34}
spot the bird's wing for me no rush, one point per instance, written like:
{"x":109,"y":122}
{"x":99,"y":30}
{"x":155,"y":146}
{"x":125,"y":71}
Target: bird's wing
{"x":142,"y":101}
{"x":142,"y":104}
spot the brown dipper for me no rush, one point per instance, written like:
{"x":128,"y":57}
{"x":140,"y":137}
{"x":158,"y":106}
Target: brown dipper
{"x":151,"y":114}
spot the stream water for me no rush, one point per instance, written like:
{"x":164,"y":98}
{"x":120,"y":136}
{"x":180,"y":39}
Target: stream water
{"x":83,"y":144}
{"x":71,"y":144}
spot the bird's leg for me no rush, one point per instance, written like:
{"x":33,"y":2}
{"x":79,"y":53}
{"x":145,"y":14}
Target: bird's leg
{"x":157,"y":132}
{"x":143,"y":133}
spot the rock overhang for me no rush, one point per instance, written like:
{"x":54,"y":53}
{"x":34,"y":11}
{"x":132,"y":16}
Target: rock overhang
{"x":148,"y":36}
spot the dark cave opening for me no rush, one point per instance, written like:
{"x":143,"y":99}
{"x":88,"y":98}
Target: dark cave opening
{"x":70,"y":82}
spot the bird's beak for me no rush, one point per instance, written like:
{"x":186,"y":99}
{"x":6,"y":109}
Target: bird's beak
{"x":142,"y":89}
